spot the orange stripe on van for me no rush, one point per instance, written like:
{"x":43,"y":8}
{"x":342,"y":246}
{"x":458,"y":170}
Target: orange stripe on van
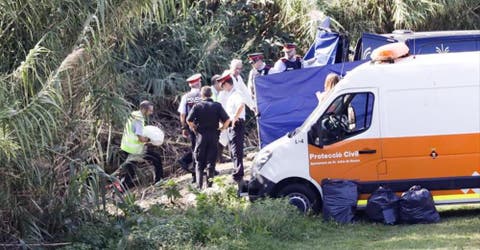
{"x":398,"y":158}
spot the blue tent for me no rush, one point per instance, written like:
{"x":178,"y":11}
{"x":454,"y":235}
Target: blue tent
{"x":284,"y":100}
{"x":325,"y":46}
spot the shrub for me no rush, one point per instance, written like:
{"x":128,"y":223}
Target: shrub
{"x":273,"y":217}
{"x":100,"y":235}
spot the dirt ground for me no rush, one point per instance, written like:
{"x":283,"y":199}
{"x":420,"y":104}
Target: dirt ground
{"x":155,"y":194}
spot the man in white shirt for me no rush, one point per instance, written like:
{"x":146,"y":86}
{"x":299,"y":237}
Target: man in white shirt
{"x":215,"y":85}
{"x":222,"y":98}
{"x":236,"y":67}
{"x":235,"y":108}
{"x":218,"y":96}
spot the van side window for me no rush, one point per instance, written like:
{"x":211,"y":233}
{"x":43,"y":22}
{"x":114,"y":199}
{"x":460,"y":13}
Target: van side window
{"x":347,"y":115}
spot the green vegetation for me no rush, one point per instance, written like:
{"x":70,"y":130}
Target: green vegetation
{"x":71,"y":70}
{"x":221,"y":221}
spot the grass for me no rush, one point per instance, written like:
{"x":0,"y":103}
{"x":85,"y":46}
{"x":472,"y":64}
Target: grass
{"x":458,"y":229}
{"x":222,"y":221}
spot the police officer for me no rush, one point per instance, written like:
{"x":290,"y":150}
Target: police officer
{"x":235,"y":107}
{"x":291,"y":61}
{"x":204,"y":120}
{"x":186,"y":104}
{"x":259,"y":68}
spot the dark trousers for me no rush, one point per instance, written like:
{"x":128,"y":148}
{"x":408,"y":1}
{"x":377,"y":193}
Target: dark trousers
{"x":205,"y":156}
{"x":220,"y":153}
{"x":151,"y":155}
{"x":187,"y":159}
{"x":236,"y":138}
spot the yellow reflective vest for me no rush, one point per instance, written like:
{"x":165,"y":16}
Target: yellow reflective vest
{"x":130,"y":142}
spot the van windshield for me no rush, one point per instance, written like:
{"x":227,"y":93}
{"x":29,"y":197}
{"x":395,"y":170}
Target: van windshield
{"x":310,"y":119}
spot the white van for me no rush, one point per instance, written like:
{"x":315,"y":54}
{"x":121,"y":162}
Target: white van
{"x":412,"y":122}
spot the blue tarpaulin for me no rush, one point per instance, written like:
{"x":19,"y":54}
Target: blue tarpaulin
{"x":285,"y":99}
{"x":325,"y":46}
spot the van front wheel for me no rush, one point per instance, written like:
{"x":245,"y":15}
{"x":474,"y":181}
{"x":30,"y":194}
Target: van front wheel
{"x":302,"y":197}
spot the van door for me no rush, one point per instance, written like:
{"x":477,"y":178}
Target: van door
{"x":436,"y":144}
{"x":344,"y":142}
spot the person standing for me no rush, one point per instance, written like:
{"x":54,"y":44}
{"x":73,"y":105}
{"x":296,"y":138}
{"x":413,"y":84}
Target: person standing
{"x":290,"y":61}
{"x":259,"y":68}
{"x":204,"y":120}
{"x":133,"y":143}
{"x":235,"y":108}
{"x":330,"y":82}
{"x":216,"y":96}
{"x":236,"y":67}
{"x":187,"y":102}
{"x":215,"y":85}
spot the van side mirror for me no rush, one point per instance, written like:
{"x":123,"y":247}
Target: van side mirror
{"x":290,"y":134}
{"x":318,"y":142}
{"x":319,"y":136}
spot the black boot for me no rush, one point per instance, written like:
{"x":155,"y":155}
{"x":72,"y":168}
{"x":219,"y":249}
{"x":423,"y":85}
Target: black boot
{"x":183,"y":165}
{"x":194,"y":178}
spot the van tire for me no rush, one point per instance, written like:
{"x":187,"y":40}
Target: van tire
{"x":301,"y":196}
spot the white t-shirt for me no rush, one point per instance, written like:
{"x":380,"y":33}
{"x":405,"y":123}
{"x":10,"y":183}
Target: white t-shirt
{"x":223,"y":97}
{"x":235,"y":100}
{"x":250,"y":83}
{"x":215,"y":93}
{"x":240,"y":86}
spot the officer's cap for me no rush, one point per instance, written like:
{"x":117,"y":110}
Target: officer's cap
{"x":252,"y":58}
{"x":225,"y":77}
{"x":194,"y":78}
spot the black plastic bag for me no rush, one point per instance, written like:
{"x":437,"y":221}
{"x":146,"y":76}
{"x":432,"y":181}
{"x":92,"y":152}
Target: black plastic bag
{"x":339,"y":200}
{"x":417,"y":206}
{"x":382,"y":206}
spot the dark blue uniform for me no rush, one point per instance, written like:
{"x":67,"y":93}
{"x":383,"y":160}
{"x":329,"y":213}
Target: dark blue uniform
{"x":297,"y":64}
{"x":192,"y":98}
{"x":264,"y":71}
{"x":206,"y":115}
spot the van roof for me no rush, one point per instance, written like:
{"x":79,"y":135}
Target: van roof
{"x":403,"y":35}
{"x":410,"y":71}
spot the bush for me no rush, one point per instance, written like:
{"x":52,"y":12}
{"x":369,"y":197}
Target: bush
{"x":170,"y":232}
{"x":98,"y":235}
{"x":273,"y":217}
{"x":136,"y":240}
{"x":221,"y":218}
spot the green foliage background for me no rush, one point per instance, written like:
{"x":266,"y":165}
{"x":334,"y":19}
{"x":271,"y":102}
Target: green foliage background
{"x":71,"y":70}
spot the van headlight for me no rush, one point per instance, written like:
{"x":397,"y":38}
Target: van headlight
{"x":262,"y":158}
